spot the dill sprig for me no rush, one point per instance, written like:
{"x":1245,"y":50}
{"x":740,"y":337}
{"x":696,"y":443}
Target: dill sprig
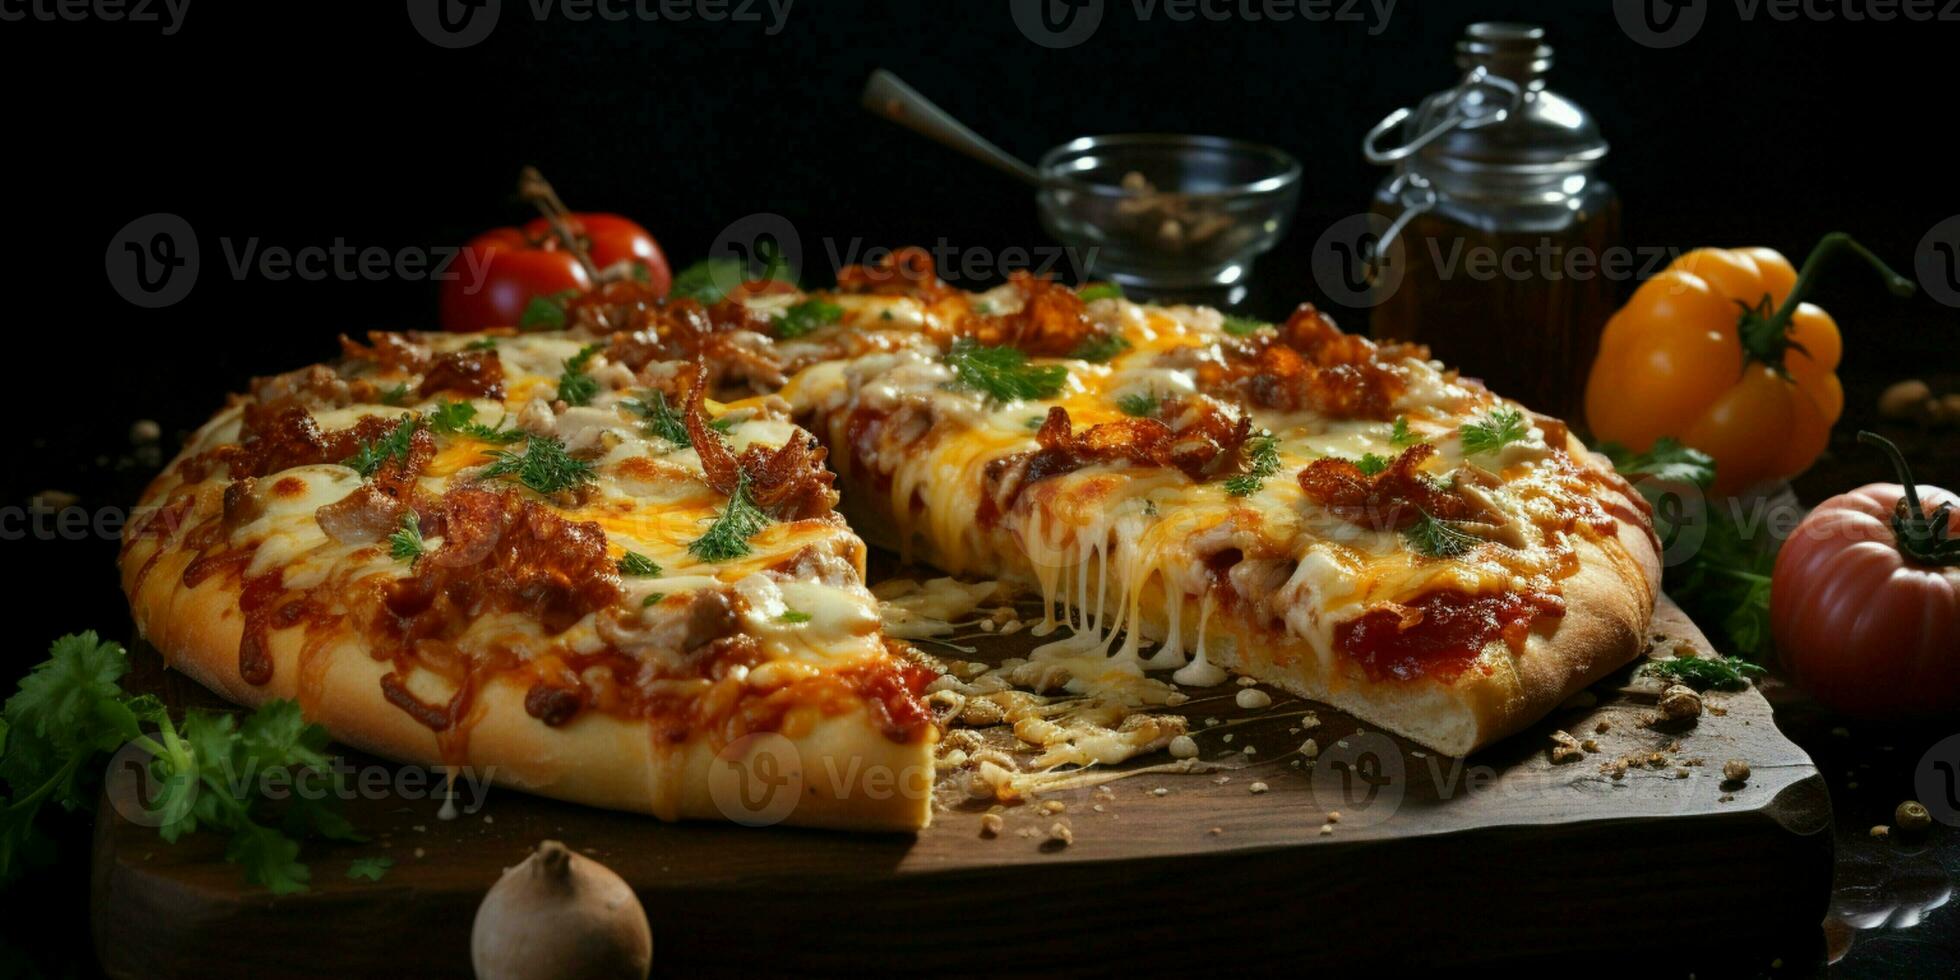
{"x":728,"y":537}
{"x":1493,"y":432}
{"x":543,"y":466}
{"x":575,"y":387}
{"x":406,"y":544}
{"x":1262,"y":455}
{"x":459,"y":419}
{"x":371,"y":455}
{"x":638,"y":565}
{"x":1702,"y":673}
{"x":659,"y":419}
{"x":1438,"y":538}
{"x":804,"y":317}
{"x":1003,"y":373}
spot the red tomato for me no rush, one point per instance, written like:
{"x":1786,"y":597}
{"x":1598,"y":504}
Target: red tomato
{"x":1867,"y":616}
{"x":500,"y":271}
{"x":611,"y":239}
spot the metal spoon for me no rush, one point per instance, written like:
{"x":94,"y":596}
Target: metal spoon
{"x":885,"y":95}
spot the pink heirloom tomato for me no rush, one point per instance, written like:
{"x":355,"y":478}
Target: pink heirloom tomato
{"x":1865,"y":599}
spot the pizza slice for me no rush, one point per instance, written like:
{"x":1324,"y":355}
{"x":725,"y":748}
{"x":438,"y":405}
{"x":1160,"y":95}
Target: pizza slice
{"x":1353,"y":523}
{"x":548,"y":557}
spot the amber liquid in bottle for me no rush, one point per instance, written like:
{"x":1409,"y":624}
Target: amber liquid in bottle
{"x":1519,"y":310}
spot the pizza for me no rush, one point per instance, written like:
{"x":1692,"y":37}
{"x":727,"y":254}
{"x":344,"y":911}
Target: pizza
{"x":599,"y":561}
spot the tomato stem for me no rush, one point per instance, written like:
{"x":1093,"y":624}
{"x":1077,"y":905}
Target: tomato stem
{"x":1766,"y":334}
{"x":1919,"y":535}
{"x":532,"y":187}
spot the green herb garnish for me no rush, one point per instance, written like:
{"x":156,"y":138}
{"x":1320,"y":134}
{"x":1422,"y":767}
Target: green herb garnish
{"x":1493,"y":432}
{"x":406,"y":543}
{"x":805,"y":317}
{"x":636,"y":564}
{"x":1100,"y":348}
{"x":486,"y":343}
{"x":575,"y":387}
{"x":1140,"y":404}
{"x":459,"y":419}
{"x":1702,"y":673}
{"x":543,"y":466}
{"x":792,"y":616}
{"x":1262,"y":456}
{"x":369,"y":868}
{"x":370,"y":456}
{"x":1371,"y":464}
{"x":1003,"y":373}
{"x":1400,"y":436}
{"x":1438,"y":538}
{"x":395,"y":395}
{"x":1242,"y":326}
{"x":728,"y":537}
{"x":652,"y":600}
{"x":1101,"y":290}
{"x":710,"y":280}
{"x":545,"y":312}
{"x":659,"y":419}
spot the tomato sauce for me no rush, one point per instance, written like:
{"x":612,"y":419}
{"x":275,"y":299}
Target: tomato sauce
{"x":1440,"y":635}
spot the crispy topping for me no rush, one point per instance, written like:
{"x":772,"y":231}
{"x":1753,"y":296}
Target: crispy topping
{"x":1396,"y":498}
{"x":789,"y":482}
{"x":905,"y":272}
{"x":1052,"y":321}
{"x":1310,"y":364}
{"x":477,"y":373}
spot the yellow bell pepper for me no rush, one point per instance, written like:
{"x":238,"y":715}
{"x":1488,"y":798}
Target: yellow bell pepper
{"x":1721,"y":352}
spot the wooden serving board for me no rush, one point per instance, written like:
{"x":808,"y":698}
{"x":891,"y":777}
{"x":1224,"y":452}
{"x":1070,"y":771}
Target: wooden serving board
{"x":1435,"y":861}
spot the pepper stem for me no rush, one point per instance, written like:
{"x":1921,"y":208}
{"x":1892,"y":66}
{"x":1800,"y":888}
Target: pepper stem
{"x":1766,"y":335}
{"x":1920,"y":536}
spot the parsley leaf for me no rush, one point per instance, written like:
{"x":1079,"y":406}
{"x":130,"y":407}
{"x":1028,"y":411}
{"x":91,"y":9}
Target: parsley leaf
{"x":1438,"y":538}
{"x":793,"y":616}
{"x":369,"y":868}
{"x":661,"y":420}
{"x":545,"y":312}
{"x":371,"y":455}
{"x":1100,"y":348}
{"x":1262,"y":456}
{"x":406,"y":544}
{"x":1702,"y":673}
{"x":728,"y":537}
{"x":1400,"y":436}
{"x":1371,"y":464}
{"x":1101,"y":290}
{"x":710,"y":280}
{"x":807,"y":316}
{"x":459,"y":418}
{"x":1668,"y":461}
{"x":636,"y":564}
{"x":544,"y":466}
{"x":575,"y":387}
{"x":1140,"y":404}
{"x":652,"y":600}
{"x":486,"y":343}
{"x":1493,"y":432}
{"x":395,"y":395}
{"x":1003,"y":373}
{"x":1241,"y":326}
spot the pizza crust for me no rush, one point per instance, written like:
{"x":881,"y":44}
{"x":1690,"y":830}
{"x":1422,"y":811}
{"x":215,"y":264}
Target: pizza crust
{"x":852,"y":776}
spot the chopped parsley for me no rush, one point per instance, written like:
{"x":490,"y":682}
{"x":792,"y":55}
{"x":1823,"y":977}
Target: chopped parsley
{"x":1400,"y":434}
{"x":1262,"y":455}
{"x":1100,"y":348}
{"x":369,"y":868}
{"x":793,"y":616}
{"x":1371,"y":464}
{"x":1140,"y":404}
{"x":1702,"y":673}
{"x":659,"y":419}
{"x":805,"y":317}
{"x":1493,"y":432}
{"x":652,"y":600}
{"x":395,"y":395}
{"x":728,"y":537}
{"x":1101,"y":290}
{"x":1003,"y":373}
{"x":543,"y":466}
{"x":459,"y":419}
{"x":1668,"y":461}
{"x":1242,"y":326}
{"x":371,"y":455}
{"x":710,"y":280}
{"x":545,"y":312}
{"x":638,"y":565}
{"x":575,"y":387}
{"x":1438,"y":538}
{"x":406,"y":543}
{"x":487,"y":343}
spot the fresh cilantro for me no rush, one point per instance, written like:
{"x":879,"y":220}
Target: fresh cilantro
{"x":639,"y":565}
{"x":1100,"y":348}
{"x":1371,"y":464}
{"x":395,"y":395}
{"x":652,"y":600}
{"x":661,"y":420}
{"x":1140,"y":404}
{"x":805,"y":317}
{"x":406,"y":543}
{"x":575,"y":387}
{"x":1438,"y":538}
{"x":793,"y":616}
{"x":728,"y":537}
{"x":1241,"y":326}
{"x":1003,"y":373}
{"x":1493,"y":432}
{"x":369,"y":868}
{"x":1702,"y":673}
{"x":370,"y":456}
{"x":1262,"y":460}
{"x":545,"y":312}
{"x":1400,"y":436}
{"x":1101,"y":290}
{"x":544,"y":466}
{"x":71,"y":710}
{"x":459,"y":418}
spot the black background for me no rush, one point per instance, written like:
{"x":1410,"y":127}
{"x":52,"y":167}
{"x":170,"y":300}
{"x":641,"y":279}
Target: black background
{"x":307,"y":125}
